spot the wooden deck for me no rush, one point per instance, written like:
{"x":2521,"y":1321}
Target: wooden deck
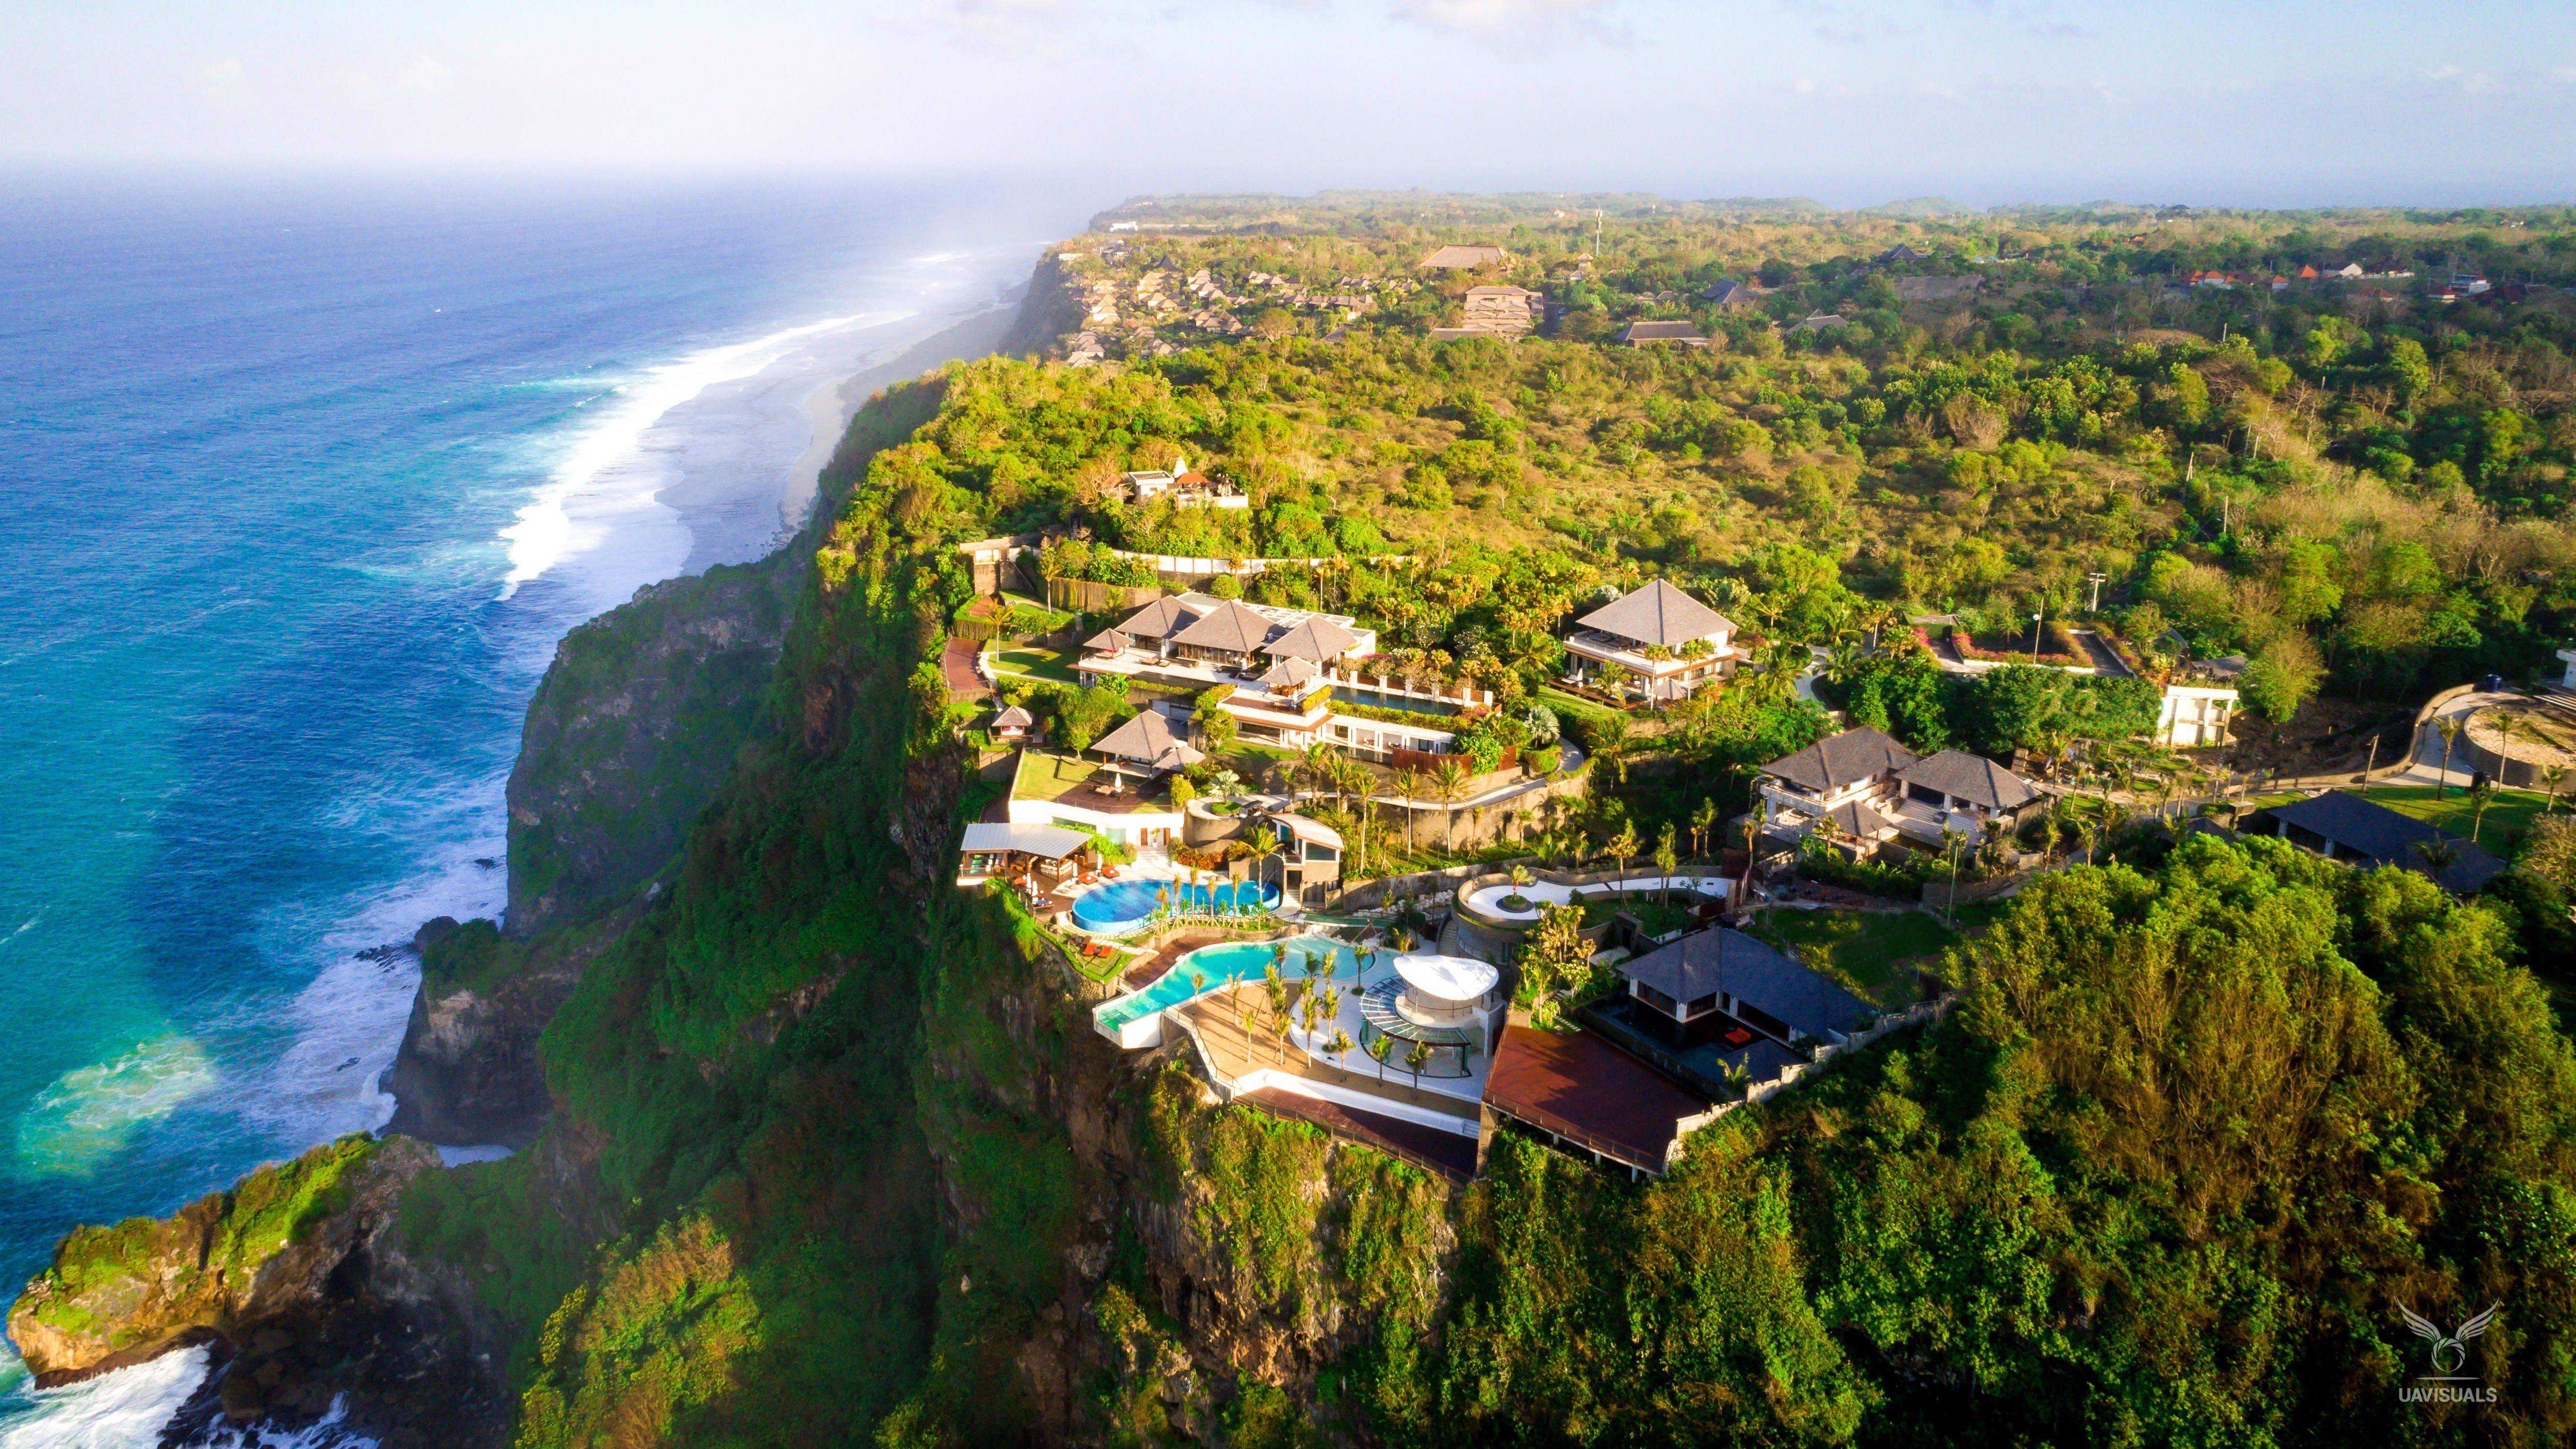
{"x":1215,"y":1018}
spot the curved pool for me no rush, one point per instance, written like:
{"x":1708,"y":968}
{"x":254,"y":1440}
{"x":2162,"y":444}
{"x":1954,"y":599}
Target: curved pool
{"x":1126,"y":905}
{"x":1212,"y":968}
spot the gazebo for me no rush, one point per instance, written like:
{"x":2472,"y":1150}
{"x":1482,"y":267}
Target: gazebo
{"x":1144,"y":748}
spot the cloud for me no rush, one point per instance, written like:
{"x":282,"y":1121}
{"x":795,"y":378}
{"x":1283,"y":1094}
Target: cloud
{"x":225,"y":82}
{"x":1000,"y":22}
{"x":424,"y":77}
{"x":1490,"y":17}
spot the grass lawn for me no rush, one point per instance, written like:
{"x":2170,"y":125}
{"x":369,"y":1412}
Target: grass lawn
{"x":2508,"y":817}
{"x":1051,"y":664}
{"x":1571,"y":706}
{"x":1864,"y":948}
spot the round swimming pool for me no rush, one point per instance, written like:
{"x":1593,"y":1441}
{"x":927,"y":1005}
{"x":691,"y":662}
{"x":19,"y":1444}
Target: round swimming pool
{"x":1126,"y":905}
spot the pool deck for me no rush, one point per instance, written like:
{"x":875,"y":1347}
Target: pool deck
{"x":1146,"y":971}
{"x":1234,"y":1054}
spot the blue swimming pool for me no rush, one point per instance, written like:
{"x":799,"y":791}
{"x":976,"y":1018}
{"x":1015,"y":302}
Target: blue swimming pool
{"x":1126,"y":905}
{"x":1211,"y":968}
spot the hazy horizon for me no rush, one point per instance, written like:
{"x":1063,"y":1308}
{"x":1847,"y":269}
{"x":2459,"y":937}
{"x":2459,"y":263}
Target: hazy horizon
{"x":1984,"y":102}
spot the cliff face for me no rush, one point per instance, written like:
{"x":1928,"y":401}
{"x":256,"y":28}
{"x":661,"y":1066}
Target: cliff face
{"x":293,"y":1279}
{"x":634,"y":727}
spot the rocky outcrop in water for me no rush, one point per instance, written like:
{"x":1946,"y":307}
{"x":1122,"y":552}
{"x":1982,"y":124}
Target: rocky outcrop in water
{"x":294,"y":1280}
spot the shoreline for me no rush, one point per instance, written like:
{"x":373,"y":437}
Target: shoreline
{"x":731,"y":517}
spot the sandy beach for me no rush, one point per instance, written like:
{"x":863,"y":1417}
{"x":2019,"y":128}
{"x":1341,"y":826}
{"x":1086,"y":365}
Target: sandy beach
{"x":737,"y":508}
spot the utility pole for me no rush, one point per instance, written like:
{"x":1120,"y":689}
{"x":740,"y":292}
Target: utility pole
{"x":2096,"y":580}
{"x":2034,"y":634}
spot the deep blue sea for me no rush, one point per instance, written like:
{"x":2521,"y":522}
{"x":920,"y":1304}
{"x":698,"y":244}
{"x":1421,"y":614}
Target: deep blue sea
{"x":300,"y":482}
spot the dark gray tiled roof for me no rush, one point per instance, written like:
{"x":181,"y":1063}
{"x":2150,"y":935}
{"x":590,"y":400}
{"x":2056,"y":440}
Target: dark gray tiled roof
{"x":1725,"y":959}
{"x":1973,"y":778}
{"x":1663,"y":332}
{"x":1843,"y":759}
{"x":1160,"y":619}
{"x":1232,"y":626}
{"x":1657,"y":614}
{"x":1316,"y":640}
{"x":2388,"y":838}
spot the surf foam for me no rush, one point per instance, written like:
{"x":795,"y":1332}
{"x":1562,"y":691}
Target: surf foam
{"x":607,"y":463}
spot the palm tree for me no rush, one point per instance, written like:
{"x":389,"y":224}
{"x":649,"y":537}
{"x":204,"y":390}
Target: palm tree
{"x":1417,"y":1057}
{"x":1701,"y":819}
{"x":2439,"y":855}
{"x":1667,"y":857}
{"x":2550,"y":775}
{"x":1264,"y":847}
{"x":1951,"y":841}
{"x":1320,"y":767}
{"x":1610,"y":742}
{"x":1449,"y":782}
{"x":1408,"y":785}
{"x":2481,"y":794}
{"x":1622,"y":846}
{"x":2062,"y":826}
{"x":1378,"y":1050}
{"x":2449,"y":729}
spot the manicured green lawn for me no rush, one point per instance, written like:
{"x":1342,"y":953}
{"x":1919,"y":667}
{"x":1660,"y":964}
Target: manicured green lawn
{"x":1054,"y":664}
{"x":2508,"y":815}
{"x":1864,"y":948}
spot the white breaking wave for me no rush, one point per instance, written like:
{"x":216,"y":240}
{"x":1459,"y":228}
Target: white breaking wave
{"x":608,"y":457}
{"x":122,"y":1410}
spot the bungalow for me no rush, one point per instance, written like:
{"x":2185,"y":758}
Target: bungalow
{"x":1465,"y":256}
{"x":2343,"y":826}
{"x":1502,"y":311}
{"x":1013,"y":723}
{"x":1819,"y":322}
{"x":1146,"y":748}
{"x":1900,"y":253}
{"x":1855,"y":768}
{"x":1686,"y":334}
{"x":1722,"y":972}
{"x":1671,"y":641}
{"x":1013,"y":851}
{"x":1728,"y":292}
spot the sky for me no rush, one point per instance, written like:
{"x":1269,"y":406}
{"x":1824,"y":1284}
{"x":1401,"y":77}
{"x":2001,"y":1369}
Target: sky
{"x":1851,"y":102}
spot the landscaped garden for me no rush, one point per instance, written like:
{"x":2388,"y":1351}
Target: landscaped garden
{"x":2506,"y":819}
{"x":1049,"y":664}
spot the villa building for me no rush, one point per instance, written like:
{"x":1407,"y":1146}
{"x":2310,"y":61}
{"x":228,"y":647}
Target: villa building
{"x":1681,"y":334}
{"x":1670,"y":641}
{"x":2343,"y":826}
{"x":1012,"y":852}
{"x":1465,"y":256}
{"x":2194,"y":715}
{"x":1185,"y":489}
{"x":1284,"y":667}
{"x":1725,"y":978}
{"x":1873,"y":790}
{"x":1119,"y":797}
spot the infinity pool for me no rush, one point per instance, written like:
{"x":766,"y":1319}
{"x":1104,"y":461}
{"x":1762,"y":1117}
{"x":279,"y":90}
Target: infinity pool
{"x":1125,"y":905}
{"x":1217,"y":965}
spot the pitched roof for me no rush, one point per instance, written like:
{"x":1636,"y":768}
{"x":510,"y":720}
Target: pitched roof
{"x":1662,"y":332}
{"x":1860,"y":820}
{"x":2387,"y":838}
{"x":1726,"y":291}
{"x":1231,"y":626}
{"x":1500,"y":291}
{"x":1973,"y":778}
{"x":1726,"y":959}
{"x":1657,"y":614}
{"x":1109,"y":638}
{"x":1013,"y":715}
{"x":1316,"y":639}
{"x":1054,"y":842}
{"x":1843,"y":759}
{"x":1148,"y":737}
{"x":1160,"y":619}
{"x":1465,"y":254}
{"x":1287,"y":674}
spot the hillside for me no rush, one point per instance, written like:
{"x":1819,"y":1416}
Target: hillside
{"x":834,"y":1153}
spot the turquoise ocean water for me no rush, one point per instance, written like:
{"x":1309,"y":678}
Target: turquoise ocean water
{"x":300,"y":481}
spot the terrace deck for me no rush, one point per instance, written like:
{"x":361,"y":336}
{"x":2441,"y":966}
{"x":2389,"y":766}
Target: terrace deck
{"x":1235,"y":1053}
{"x":1446,"y":1153}
{"x":1587,"y":1091}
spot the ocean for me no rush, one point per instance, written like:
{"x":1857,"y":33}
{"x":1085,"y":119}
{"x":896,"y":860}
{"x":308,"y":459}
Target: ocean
{"x":300,"y":482}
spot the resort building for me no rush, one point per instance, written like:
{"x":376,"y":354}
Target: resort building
{"x":1452,"y":1005}
{"x":1185,"y":488}
{"x":2195,"y":715}
{"x":1721,"y":979}
{"x":1285,"y":669}
{"x":2346,"y":827}
{"x":1120,"y":797}
{"x":1465,"y":256}
{"x":1871,"y":790}
{"x":1671,"y":642}
{"x":1680,"y":334}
